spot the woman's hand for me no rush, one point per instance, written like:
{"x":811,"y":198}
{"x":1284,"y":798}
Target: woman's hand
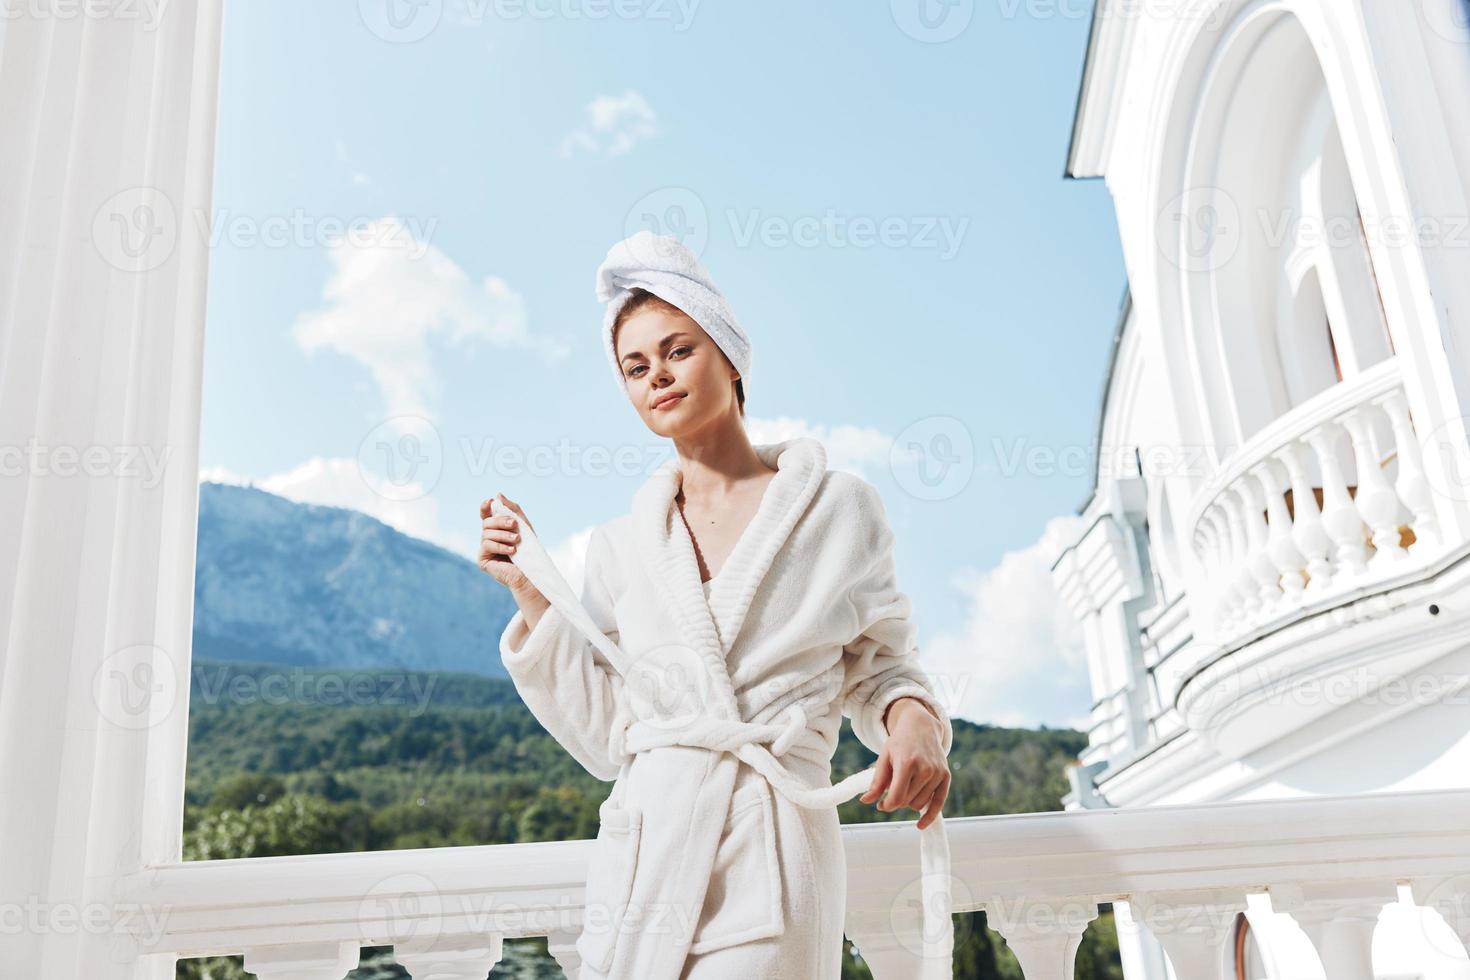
{"x":499,"y":535}
{"x":912,"y":766}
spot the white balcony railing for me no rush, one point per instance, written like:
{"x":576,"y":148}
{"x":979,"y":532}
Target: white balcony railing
{"x":1184,"y":872}
{"x":1328,"y":500}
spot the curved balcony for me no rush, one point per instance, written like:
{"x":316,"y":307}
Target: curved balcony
{"x":1321,"y":511}
{"x":1328,"y":500}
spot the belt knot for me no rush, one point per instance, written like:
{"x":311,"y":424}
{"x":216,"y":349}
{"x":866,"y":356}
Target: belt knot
{"x":631,"y":736}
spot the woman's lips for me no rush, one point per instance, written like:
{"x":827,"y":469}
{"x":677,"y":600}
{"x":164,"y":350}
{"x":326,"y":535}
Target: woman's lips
{"x":669,"y":402}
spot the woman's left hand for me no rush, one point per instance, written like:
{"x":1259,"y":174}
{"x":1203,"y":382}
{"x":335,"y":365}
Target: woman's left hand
{"x":912,"y":766}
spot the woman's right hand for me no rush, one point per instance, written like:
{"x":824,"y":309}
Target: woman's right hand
{"x":499,"y":535}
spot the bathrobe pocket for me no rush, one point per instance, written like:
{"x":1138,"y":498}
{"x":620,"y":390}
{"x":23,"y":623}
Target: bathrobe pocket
{"x":744,"y":899}
{"x":609,"y":882}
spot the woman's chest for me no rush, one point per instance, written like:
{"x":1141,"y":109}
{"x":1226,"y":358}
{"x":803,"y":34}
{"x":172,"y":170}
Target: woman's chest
{"x":794,"y":602}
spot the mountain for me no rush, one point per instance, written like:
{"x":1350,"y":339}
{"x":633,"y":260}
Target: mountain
{"x":301,"y":584}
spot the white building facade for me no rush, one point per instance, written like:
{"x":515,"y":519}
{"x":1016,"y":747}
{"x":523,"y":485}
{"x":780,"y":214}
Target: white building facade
{"x":1273,"y":574}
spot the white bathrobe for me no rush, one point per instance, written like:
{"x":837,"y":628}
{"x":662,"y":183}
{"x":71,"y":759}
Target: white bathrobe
{"x":699,"y":708}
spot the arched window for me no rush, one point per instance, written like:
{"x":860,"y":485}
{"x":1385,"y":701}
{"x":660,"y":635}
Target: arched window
{"x":1267,"y":263}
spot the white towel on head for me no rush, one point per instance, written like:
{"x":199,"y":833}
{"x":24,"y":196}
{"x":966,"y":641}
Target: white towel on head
{"x":665,"y":266}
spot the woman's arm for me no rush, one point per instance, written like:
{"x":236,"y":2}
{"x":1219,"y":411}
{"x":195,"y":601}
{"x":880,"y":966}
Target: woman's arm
{"x":884,"y":686}
{"x":565,"y":680}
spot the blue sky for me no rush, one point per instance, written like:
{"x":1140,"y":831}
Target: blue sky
{"x":881,"y":201}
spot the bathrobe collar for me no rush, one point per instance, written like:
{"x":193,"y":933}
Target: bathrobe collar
{"x":667,"y":550}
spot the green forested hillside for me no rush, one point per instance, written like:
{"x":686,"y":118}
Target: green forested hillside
{"x":288,"y":761}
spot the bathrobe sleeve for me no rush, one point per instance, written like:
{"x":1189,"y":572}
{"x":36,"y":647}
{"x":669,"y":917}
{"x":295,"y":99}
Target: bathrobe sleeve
{"x":565,"y":680}
{"x":881,"y":663}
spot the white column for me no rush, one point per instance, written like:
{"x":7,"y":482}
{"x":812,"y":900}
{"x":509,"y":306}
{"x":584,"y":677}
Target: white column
{"x":303,"y":961}
{"x":1450,"y":897}
{"x":462,"y":958}
{"x":891,"y":950}
{"x":108,"y":120}
{"x":1377,"y":502}
{"x":1402,"y":102}
{"x":1282,"y":548}
{"x":1340,"y":517}
{"x":1043,"y":933}
{"x":1259,"y":563}
{"x":1306,"y":521}
{"x":1222,"y":581}
{"x":562,"y":945}
{"x":1249,"y":601}
{"x":1412,"y":485}
{"x":1339,"y":918}
{"x":1196,"y":929}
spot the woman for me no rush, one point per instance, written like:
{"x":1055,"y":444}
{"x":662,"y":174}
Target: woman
{"x":727,"y":623}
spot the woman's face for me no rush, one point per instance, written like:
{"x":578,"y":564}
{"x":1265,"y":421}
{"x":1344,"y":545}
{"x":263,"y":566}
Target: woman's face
{"x":666,"y":355}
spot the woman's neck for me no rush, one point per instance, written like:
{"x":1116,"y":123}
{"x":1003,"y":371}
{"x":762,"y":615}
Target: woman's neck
{"x":711,"y":469}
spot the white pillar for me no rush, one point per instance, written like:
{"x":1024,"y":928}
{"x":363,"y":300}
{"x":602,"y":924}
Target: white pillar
{"x":303,"y":961}
{"x":462,"y":958}
{"x":1340,"y":919}
{"x":562,"y":945}
{"x":1043,"y":933}
{"x":1401,"y":78}
{"x":1196,"y":929}
{"x":109,"y":133}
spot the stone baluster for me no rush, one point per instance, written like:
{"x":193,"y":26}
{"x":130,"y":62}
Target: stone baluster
{"x":1043,"y":933}
{"x":460,"y":958}
{"x":1258,"y":559}
{"x":1307,"y":531}
{"x":1215,"y":560}
{"x":1240,"y":570}
{"x":1340,"y":517}
{"x":1196,"y":928}
{"x":1377,"y":502}
{"x":891,"y":946}
{"x":1339,"y":918}
{"x":1282,"y":548}
{"x":1229,"y":601}
{"x":562,"y":945}
{"x":1412,"y":485}
{"x":1450,"y":897}
{"x":303,"y":961}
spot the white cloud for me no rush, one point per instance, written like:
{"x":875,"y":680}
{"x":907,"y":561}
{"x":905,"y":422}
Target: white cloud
{"x":222,"y":474}
{"x":615,"y":124}
{"x":849,"y":447}
{"x":393,"y":301}
{"x":1019,"y":659}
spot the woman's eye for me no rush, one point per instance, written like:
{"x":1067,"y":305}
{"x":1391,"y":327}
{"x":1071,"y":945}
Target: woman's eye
{"x":678,"y":349}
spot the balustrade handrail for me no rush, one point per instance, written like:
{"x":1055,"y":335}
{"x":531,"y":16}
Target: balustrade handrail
{"x":1086,"y":856}
{"x":1323,"y":407}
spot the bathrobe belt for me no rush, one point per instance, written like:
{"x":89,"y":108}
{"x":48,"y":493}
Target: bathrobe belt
{"x":758,"y":744}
